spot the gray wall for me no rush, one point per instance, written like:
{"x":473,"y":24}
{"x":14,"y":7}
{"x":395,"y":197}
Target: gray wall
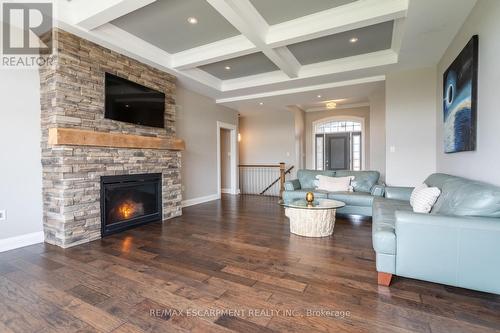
{"x":196,"y":123}
{"x":377,"y":131}
{"x":20,"y":166}
{"x":483,"y":163}
{"x":267,"y":137}
{"x":410,"y":126}
{"x":363,"y":112}
{"x":225,"y":158}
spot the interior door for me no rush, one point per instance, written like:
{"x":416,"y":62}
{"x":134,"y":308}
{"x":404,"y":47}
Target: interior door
{"x":338,"y":151}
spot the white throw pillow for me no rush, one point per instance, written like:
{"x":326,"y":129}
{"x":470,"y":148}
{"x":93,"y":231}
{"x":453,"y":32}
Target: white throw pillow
{"x":425,"y":199}
{"x":415,"y":192}
{"x":334,"y":184}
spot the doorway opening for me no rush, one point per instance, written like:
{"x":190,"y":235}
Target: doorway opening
{"x":338,"y":144}
{"x":226,"y":158}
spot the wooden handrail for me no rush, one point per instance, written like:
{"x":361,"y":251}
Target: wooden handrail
{"x":282,"y":173}
{"x":259,"y":165}
{"x":281,"y":179}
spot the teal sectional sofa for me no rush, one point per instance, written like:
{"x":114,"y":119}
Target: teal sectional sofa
{"x":358,"y":202}
{"x":457,"y":244}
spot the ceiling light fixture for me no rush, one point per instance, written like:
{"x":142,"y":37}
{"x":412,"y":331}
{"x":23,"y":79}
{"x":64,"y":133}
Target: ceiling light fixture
{"x":353,"y":40}
{"x":261,"y":103}
{"x":192,"y":20}
{"x":331,"y":105}
{"x":227,"y":68}
{"x":319,"y":96}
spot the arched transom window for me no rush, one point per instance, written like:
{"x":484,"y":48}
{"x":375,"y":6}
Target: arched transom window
{"x":338,"y":127}
{"x":338,"y":145}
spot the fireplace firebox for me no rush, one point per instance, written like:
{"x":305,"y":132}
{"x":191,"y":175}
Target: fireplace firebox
{"x":128,"y":201}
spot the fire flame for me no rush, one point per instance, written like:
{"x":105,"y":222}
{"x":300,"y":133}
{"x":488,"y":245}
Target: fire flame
{"x":127,"y":209}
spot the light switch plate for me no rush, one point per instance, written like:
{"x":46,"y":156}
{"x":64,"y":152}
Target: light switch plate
{"x":3,"y":215}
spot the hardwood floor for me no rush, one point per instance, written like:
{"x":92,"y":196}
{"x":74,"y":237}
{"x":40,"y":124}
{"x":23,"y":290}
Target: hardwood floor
{"x":224,"y":266}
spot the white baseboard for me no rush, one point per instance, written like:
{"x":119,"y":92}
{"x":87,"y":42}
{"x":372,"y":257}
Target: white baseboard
{"x":226,"y":191}
{"x":21,"y":241}
{"x":200,"y":200}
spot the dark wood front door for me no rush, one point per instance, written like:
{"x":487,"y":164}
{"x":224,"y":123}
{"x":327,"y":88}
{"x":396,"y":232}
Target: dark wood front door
{"x":337,"y":151}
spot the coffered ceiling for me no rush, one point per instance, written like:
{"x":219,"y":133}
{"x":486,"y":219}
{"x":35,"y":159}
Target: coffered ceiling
{"x":242,"y":50}
{"x":279,"y":11}
{"x":164,"y":24}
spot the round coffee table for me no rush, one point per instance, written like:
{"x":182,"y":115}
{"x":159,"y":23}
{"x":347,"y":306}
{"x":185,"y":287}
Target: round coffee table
{"x":312,"y":220}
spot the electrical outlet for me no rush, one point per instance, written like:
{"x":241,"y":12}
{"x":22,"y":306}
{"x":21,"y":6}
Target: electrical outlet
{"x":3,"y":215}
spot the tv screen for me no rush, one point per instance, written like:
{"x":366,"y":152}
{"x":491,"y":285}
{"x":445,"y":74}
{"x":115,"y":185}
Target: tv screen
{"x":132,"y":103}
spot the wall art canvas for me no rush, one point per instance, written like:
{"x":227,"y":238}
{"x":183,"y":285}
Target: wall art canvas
{"x":460,"y":100}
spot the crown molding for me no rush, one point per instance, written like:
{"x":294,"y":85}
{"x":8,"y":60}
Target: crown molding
{"x":302,"y":89}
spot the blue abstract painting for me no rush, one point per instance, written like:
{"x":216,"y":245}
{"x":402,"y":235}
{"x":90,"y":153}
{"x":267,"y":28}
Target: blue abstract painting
{"x":460,"y":100}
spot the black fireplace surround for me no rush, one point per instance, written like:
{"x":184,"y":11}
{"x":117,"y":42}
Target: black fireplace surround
{"x":128,"y":201}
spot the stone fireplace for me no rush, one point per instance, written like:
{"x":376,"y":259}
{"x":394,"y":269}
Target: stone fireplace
{"x":72,"y":98}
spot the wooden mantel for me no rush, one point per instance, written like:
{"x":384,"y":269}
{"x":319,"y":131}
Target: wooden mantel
{"x":78,"y":137}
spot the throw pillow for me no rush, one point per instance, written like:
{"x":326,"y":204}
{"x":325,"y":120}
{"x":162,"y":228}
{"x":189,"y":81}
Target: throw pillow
{"x":334,"y":184}
{"x":415,"y":192}
{"x":425,"y":199}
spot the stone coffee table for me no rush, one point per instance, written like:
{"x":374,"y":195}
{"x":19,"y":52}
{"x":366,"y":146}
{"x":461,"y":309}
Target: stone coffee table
{"x":316,"y":219}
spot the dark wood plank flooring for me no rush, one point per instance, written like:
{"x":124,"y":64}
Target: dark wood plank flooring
{"x":225,"y":266}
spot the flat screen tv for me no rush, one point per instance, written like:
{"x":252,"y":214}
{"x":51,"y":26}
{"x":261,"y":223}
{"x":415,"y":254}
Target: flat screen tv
{"x":133,"y":103}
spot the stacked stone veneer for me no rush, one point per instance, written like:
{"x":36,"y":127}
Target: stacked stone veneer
{"x":72,"y":96}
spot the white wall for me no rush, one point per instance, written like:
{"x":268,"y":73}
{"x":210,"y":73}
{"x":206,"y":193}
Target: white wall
{"x":300,"y":136}
{"x":410,"y":126}
{"x":377,"y":131}
{"x":267,"y":137}
{"x":196,"y":123}
{"x":482,"y":164}
{"x":20,"y":161}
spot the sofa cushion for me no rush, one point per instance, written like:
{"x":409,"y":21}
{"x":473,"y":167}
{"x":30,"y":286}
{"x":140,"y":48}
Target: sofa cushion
{"x":363,"y":180}
{"x":465,"y":197}
{"x":307,"y":178}
{"x":289,"y":196}
{"x":384,"y":223}
{"x":334,"y":184}
{"x":352,"y":198}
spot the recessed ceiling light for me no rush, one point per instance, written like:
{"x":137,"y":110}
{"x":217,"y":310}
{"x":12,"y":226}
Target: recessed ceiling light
{"x":227,"y":68}
{"x":192,"y":20}
{"x":319,"y":96}
{"x":353,"y":40}
{"x":261,"y":103}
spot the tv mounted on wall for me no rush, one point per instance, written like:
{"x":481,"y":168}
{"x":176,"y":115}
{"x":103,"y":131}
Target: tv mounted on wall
{"x":133,"y":103}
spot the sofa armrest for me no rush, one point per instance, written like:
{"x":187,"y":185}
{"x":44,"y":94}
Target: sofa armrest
{"x":292,"y":185}
{"x":378,"y":190}
{"x":398,"y":193}
{"x":453,"y":250}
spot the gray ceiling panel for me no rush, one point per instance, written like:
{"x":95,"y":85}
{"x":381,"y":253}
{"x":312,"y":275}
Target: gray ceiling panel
{"x":255,"y":63}
{"x":164,"y":24}
{"x":370,"y":39}
{"x":278,"y":11}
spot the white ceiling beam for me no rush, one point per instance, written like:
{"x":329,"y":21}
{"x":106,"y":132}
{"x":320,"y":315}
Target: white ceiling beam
{"x":349,"y":64}
{"x":244,"y":17}
{"x":91,"y":14}
{"x":302,"y":89}
{"x":218,"y":51}
{"x":356,"y":15}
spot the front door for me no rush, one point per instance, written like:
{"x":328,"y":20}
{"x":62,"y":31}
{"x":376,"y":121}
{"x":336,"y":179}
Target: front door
{"x":338,"y":151}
